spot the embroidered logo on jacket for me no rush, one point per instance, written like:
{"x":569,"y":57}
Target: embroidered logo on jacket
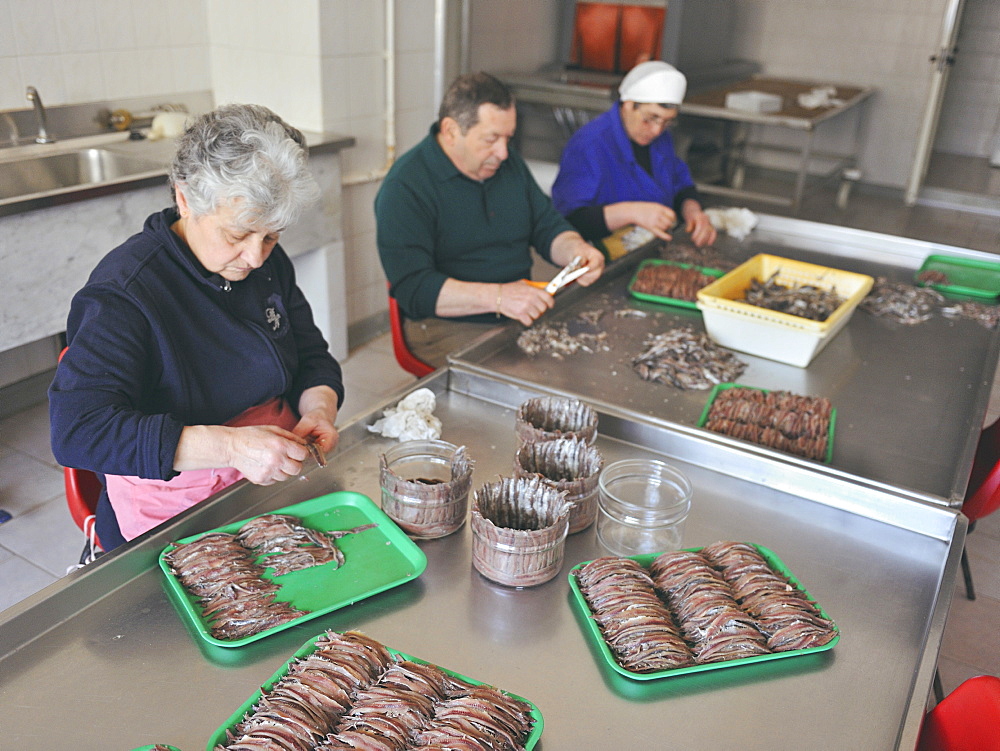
{"x":275,"y":315}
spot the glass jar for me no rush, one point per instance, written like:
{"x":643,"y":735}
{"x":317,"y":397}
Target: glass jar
{"x":643,"y":504}
{"x":425,"y":487}
{"x":546,"y":418}
{"x":519,"y":528}
{"x":569,"y":465}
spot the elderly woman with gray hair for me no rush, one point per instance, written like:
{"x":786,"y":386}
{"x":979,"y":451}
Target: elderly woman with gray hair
{"x":193,"y":360}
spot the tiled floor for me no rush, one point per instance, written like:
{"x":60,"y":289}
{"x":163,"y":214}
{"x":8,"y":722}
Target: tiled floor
{"x":40,"y":541}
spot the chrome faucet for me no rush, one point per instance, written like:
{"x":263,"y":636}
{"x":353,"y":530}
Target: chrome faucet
{"x":43,"y":134}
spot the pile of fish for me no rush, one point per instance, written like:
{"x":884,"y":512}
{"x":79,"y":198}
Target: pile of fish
{"x":780,"y":610}
{"x":901,"y":302}
{"x":236,"y":600}
{"x":908,"y":305}
{"x":351,"y":692}
{"x":667,"y":280}
{"x":932,"y":276}
{"x":634,"y":622}
{"x":983,"y":314}
{"x":707,"y":611}
{"x":803,"y":300}
{"x":691,"y":608}
{"x":557,"y":340}
{"x":226,"y":572}
{"x":686,"y":359}
{"x":778,"y":419}
{"x":706,"y":257}
{"x":289,"y":546}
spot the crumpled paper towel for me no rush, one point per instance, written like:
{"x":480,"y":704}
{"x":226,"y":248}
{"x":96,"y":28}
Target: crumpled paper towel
{"x":735,"y":222}
{"x":821,"y":96}
{"x":411,"y":419}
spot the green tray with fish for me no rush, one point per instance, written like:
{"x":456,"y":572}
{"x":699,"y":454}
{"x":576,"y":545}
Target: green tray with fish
{"x":967,"y":278}
{"x":596,"y":638}
{"x":661,"y":299}
{"x":375,"y":560}
{"x":719,"y":387}
{"x":220,"y":735}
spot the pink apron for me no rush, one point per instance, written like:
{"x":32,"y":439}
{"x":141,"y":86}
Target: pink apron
{"x":141,"y":504}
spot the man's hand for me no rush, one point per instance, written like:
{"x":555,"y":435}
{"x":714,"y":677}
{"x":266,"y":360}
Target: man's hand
{"x":523,"y":302}
{"x":569,"y":245}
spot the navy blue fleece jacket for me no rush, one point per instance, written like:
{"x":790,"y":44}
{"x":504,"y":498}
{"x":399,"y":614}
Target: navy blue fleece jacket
{"x":156,"y":343}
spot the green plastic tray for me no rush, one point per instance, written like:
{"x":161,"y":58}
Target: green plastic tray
{"x":374,"y":560}
{"x":593,"y":631}
{"x":220,"y":735}
{"x":723,"y":386}
{"x":669,"y":300}
{"x":966,"y":277}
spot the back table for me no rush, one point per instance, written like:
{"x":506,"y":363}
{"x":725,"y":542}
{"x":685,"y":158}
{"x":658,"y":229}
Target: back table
{"x":793,"y":119}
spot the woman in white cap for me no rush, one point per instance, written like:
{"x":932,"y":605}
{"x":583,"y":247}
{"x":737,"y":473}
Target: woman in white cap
{"x":621,"y":168}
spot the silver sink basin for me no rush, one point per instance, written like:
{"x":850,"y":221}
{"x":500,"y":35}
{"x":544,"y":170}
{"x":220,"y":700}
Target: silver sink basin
{"x":57,"y":172}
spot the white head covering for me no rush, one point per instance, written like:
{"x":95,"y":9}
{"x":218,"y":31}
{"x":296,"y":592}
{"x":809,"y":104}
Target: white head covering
{"x":653,"y":82}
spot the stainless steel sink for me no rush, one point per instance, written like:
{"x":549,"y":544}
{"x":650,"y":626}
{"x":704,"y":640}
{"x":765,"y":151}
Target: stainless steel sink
{"x":58,"y":172}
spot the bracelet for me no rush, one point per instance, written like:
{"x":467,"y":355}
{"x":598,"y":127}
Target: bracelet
{"x":499,"y":299}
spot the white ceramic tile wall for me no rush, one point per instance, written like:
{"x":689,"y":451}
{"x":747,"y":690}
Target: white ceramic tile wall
{"x":268,"y":53}
{"x":353,"y":70}
{"x":76,"y":51}
{"x":884,"y":45}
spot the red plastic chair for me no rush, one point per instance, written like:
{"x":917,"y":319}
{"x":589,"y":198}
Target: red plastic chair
{"x":967,"y":720}
{"x":83,"y":489}
{"x":406,"y":359}
{"x":983,"y":495}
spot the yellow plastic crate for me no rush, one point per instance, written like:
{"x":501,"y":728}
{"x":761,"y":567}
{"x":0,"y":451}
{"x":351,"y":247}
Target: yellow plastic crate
{"x":769,"y":333}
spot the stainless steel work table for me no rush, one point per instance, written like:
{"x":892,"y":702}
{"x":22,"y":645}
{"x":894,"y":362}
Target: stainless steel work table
{"x":103,"y":660}
{"x":791,"y":115}
{"x":910,"y":399}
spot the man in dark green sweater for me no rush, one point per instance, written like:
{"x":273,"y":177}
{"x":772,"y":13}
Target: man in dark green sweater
{"x":457,"y":216}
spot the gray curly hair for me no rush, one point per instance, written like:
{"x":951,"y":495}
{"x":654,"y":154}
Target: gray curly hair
{"x":246,"y":156}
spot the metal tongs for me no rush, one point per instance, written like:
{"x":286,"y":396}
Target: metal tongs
{"x":570,"y":273}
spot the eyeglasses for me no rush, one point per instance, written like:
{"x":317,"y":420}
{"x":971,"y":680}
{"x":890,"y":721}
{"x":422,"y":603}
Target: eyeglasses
{"x":656,"y":121}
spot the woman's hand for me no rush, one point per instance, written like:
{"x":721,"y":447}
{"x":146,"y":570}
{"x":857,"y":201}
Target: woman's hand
{"x":266,"y":454}
{"x":697,"y":224}
{"x":655,"y":217}
{"x":318,"y":407}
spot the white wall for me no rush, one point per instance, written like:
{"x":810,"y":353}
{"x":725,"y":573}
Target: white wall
{"x":354,"y":103}
{"x":321,"y":64}
{"x":884,"y":45}
{"x":76,"y":51}
{"x":268,"y":53}
{"x":970,"y":114}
